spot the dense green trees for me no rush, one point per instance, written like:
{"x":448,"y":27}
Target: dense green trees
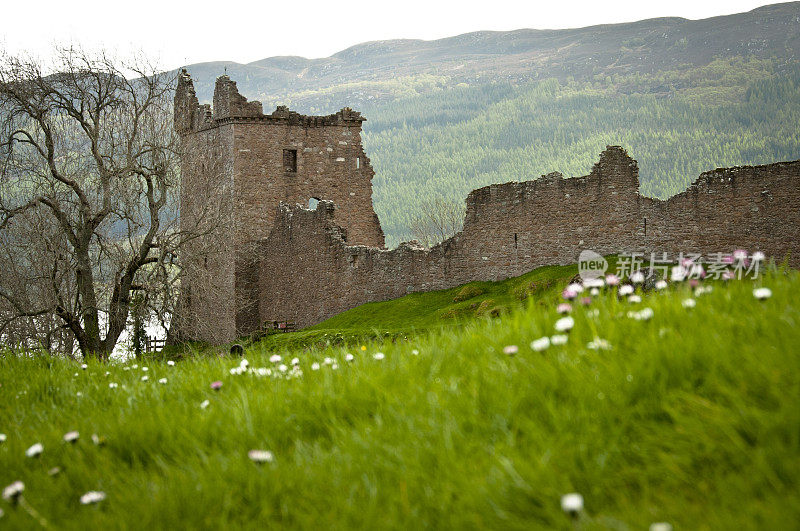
{"x":446,"y":142}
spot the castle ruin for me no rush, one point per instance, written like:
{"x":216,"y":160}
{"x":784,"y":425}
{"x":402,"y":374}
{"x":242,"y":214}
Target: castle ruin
{"x":262,"y":161}
{"x":289,"y":262}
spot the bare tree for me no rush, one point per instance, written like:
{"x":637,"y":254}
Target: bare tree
{"x":438,"y":220}
{"x":89,"y":180}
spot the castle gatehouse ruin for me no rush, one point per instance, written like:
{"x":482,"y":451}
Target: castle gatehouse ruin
{"x":279,"y":260}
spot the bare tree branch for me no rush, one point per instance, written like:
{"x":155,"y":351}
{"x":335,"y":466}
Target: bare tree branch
{"x":96,"y":149}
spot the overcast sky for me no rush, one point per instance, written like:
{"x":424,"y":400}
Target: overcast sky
{"x":180,"y":33}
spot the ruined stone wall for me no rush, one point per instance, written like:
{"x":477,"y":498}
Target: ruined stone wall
{"x":330,"y":165}
{"x":309,"y":272}
{"x":752,"y":207}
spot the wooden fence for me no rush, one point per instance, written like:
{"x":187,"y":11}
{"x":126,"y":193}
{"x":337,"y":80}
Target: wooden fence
{"x":154,"y":345}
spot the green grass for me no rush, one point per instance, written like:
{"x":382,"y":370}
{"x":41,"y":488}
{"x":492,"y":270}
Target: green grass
{"x":691,"y":418}
{"x":423,"y":312}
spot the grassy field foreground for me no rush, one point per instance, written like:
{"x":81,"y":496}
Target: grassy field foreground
{"x":690,"y":417}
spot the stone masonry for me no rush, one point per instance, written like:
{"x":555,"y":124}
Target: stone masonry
{"x":513,"y":228}
{"x":305,"y":265}
{"x":265,"y":160}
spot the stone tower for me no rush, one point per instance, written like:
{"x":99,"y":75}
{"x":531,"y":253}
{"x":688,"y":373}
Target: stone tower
{"x":238,"y":166}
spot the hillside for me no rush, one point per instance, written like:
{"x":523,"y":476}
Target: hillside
{"x":687,"y":416}
{"x":643,"y":47}
{"x":419,"y":313}
{"x":448,"y":116}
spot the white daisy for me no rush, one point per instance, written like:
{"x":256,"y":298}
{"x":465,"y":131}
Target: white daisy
{"x":334,"y":366}
{"x":564,"y":324}
{"x":283,"y":368}
{"x":510,"y":349}
{"x":145,"y":378}
{"x":145,"y":369}
{"x":84,"y":366}
{"x":79,"y":394}
{"x":689,"y":303}
{"x":637,"y":277}
{"x":295,"y":361}
{"x":661,"y":284}
{"x":762,"y":293}
{"x":162,"y":380}
{"x":415,"y":352}
{"x":71,"y":436}
{"x":261,"y":456}
{"x":625,"y":289}
{"x":559,"y":339}
{"x":113,"y":385}
{"x":758,"y":256}
{"x":634,"y":299}
{"x":275,"y":358}
{"x":13,"y":491}
{"x":328,"y":361}
{"x":171,"y":363}
{"x":35,"y":450}
{"x":572,"y":503}
{"x":599,"y":344}
{"x":349,"y":357}
{"x":3,"y":437}
{"x":660,"y":526}
{"x":204,"y":404}
{"x":315,"y":366}
{"x":93,"y":496}
{"x":379,"y":356}
{"x":678,"y":274}
{"x":540,"y":344}
{"x":575,"y":288}
{"x":645,"y":314}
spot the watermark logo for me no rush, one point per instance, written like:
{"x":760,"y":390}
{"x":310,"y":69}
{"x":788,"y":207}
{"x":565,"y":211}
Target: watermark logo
{"x":591,"y":265}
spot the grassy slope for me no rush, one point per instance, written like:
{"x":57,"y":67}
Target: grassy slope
{"x":419,"y":312}
{"x":691,"y":418}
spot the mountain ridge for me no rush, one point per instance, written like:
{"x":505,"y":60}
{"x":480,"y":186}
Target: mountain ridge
{"x":642,"y":46}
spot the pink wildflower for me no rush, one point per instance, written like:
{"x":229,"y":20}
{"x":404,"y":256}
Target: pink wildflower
{"x":510,"y":349}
